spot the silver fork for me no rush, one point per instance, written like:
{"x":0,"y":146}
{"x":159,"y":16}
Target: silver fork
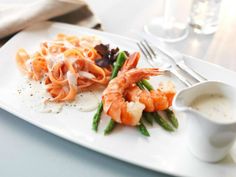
{"x":151,"y":58}
{"x":178,"y":60}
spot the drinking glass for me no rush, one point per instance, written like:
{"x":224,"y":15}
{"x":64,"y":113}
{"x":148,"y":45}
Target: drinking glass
{"x":173,"y":26}
{"x":204,"y":16}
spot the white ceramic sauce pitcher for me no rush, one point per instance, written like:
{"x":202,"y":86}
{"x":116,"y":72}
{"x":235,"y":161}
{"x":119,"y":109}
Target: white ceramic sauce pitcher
{"x":209,"y":140}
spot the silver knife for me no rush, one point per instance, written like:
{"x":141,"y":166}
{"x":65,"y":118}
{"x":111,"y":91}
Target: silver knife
{"x":175,"y":57}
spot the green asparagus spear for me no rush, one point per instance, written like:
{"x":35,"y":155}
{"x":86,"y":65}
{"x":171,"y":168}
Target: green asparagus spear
{"x":162,"y":122}
{"x":140,"y":85}
{"x":147,"y":85}
{"x":141,"y":127}
{"x":171,"y":116}
{"x":119,"y":63}
{"x":109,"y":127}
{"x":97,"y":116}
{"x":148,"y":117}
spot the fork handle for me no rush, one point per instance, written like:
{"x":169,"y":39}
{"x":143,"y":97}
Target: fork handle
{"x":180,"y":77}
{"x":191,"y":72}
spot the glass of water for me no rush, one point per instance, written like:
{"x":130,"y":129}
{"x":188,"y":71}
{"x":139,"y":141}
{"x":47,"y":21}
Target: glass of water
{"x":204,"y":16}
{"x":173,"y":25}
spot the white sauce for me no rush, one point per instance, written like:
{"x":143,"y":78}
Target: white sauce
{"x":89,"y":41}
{"x":34,"y":95}
{"x":68,"y":45}
{"x":58,"y":58}
{"x":64,"y":42}
{"x":29,"y":65}
{"x":72,"y":59}
{"x":215,"y":107}
{"x":71,"y":78}
{"x":86,"y":74}
{"x":86,"y":101}
{"x":54,"y":59}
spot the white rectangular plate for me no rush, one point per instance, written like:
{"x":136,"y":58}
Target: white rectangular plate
{"x":163,"y":151}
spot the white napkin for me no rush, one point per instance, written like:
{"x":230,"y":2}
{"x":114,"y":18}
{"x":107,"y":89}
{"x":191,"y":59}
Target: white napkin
{"x":16,"y":15}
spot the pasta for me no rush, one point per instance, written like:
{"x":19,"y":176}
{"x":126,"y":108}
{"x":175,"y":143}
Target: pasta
{"x":65,"y":65}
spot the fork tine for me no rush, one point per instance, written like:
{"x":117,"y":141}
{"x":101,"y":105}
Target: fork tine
{"x":141,"y":48}
{"x":151,"y":60}
{"x":151,"y":54}
{"x":147,"y":56}
{"x":147,"y":50}
{"x":151,"y":57}
{"x":144,"y":49}
{"x":161,"y":51}
{"x":150,"y":48}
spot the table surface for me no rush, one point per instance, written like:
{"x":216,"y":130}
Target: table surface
{"x":29,"y":151}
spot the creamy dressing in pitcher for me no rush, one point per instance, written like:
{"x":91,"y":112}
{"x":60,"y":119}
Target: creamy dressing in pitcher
{"x":215,"y":107}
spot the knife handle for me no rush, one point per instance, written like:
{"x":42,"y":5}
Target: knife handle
{"x":195,"y":75}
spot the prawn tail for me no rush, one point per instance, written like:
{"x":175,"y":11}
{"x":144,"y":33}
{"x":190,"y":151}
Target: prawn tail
{"x":131,"y":62}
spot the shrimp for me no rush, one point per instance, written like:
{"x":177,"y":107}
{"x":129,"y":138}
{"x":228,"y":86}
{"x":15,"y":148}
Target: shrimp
{"x":114,"y":103}
{"x":154,"y":100}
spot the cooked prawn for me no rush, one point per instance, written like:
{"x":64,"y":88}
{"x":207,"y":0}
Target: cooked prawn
{"x":154,"y":100}
{"x":114,"y":103}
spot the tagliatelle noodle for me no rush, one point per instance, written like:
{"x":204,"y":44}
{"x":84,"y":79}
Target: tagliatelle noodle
{"x":65,"y":65}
